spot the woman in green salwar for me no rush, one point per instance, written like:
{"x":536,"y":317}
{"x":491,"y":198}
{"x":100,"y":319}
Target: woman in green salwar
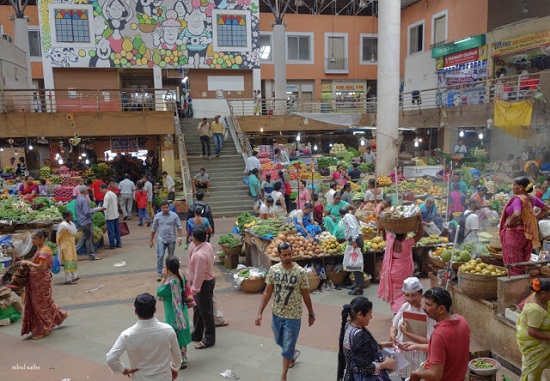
{"x":332,"y":216}
{"x":175,"y":308}
{"x":533,"y":332}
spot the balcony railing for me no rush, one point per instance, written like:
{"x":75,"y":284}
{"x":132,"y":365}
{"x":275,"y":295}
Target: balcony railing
{"x":510,"y":89}
{"x":87,"y":100}
{"x":336,"y":65}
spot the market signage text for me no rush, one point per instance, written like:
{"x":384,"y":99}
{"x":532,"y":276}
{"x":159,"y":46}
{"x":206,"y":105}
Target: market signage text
{"x":521,"y":43}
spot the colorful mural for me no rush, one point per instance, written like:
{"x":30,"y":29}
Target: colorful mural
{"x":210,"y":34}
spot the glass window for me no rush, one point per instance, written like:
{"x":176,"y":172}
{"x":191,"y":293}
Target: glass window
{"x":265,"y":47}
{"x":299,"y":48}
{"x":370,"y":49}
{"x":72,"y":25}
{"x":35,"y":49}
{"x":440,"y":28}
{"x":416,"y":38}
{"x":232,"y":30}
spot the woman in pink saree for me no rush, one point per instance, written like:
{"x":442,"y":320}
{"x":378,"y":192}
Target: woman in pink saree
{"x":397,"y":266}
{"x":41,"y":314}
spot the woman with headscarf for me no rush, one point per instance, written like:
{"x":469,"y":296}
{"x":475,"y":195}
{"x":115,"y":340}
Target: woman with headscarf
{"x":519,"y":231}
{"x":41,"y":314}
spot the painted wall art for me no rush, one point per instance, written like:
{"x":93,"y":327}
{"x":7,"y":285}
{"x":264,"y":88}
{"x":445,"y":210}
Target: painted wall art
{"x":208,"y":34}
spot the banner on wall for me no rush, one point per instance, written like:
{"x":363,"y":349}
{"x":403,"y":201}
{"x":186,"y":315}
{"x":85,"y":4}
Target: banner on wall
{"x":514,"y":117}
{"x":521,"y":43}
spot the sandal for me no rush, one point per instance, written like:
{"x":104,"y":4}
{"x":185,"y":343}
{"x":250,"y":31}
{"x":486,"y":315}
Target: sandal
{"x":200,"y":345}
{"x":224,"y":323}
{"x":294,"y":358}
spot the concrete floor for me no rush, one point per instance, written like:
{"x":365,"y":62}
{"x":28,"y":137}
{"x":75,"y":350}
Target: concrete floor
{"x":76,"y":350}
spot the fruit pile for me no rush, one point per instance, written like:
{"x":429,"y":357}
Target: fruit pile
{"x":63,"y":192}
{"x":384,"y":181}
{"x":376,"y":243}
{"x":301,"y":247}
{"x":67,"y":181}
{"x":432,"y":240}
{"x":261,"y":155}
{"x":446,"y":253}
{"x":45,"y":172}
{"x":331,"y":246}
{"x":476,"y":266}
{"x":337,"y":148}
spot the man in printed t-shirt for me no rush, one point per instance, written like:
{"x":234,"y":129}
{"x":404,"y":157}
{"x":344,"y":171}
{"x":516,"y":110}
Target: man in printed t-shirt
{"x":288,"y":281}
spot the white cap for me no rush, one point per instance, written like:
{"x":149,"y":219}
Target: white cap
{"x":412,"y":284}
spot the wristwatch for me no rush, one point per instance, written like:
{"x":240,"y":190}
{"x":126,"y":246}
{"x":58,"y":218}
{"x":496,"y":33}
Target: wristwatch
{"x":312,"y":315}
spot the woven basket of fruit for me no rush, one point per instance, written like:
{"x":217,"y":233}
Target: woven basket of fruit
{"x":479,"y":280}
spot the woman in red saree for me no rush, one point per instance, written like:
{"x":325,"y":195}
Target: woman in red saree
{"x":397,"y":266}
{"x":519,"y":231}
{"x":29,"y":190}
{"x":41,"y":314}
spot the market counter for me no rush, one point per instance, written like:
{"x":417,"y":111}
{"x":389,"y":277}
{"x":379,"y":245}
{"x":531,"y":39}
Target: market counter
{"x":486,"y":318}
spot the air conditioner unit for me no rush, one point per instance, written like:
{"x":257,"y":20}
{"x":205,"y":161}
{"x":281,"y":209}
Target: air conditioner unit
{"x":7,"y":37}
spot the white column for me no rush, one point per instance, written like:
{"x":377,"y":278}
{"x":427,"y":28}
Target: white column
{"x":157,"y":83}
{"x":279,"y":63}
{"x":257,"y":79}
{"x":387,"y":117}
{"x":21,"y":37}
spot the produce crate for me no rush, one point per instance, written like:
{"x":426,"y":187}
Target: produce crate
{"x":337,"y":277}
{"x":231,"y":261}
{"x":231,"y":250}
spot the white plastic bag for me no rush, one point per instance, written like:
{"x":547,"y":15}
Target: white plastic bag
{"x":353,"y":259}
{"x":431,"y":229}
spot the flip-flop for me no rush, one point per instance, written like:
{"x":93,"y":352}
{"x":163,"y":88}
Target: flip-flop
{"x":200,"y":345}
{"x":224,"y":323}
{"x":294,"y":358}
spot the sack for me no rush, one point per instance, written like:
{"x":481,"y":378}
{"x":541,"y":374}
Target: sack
{"x":353,"y":259}
{"x":124,"y":230}
{"x":288,"y":188}
{"x":56,"y":266}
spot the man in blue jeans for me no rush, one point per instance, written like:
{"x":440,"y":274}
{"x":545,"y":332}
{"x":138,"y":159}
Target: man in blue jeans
{"x":84,"y":215}
{"x":169,"y":228}
{"x":110,"y":204}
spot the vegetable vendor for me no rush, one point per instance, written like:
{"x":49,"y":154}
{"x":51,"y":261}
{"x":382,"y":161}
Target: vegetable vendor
{"x":332,"y":216}
{"x":428,"y":210}
{"x":305,"y":223}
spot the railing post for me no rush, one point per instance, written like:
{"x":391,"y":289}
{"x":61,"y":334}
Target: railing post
{"x":97,"y":100}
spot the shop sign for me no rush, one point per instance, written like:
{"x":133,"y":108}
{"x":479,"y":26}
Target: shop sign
{"x":349,"y":87}
{"x":458,"y":46}
{"x":462,"y":57}
{"x":521,"y":43}
{"x":124,"y":145}
{"x":291,"y":88}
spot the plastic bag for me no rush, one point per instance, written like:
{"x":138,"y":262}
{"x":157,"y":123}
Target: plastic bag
{"x":353,"y":259}
{"x":56,"y":266}
{"x":225,"y":135}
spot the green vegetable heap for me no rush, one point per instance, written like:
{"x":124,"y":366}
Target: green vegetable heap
{"x":482,"y":364}
{"x":229,"y":240}
{"x":270,"y":226}
{"x":244,"y":218}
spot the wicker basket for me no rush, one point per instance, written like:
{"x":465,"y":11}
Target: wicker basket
{"x":439,"y":263}
{"x":399,"y":225}
{"x":253,"y":286}
{"x":231,"y":250}
{"x":231,"y":261}
{"x":314,"y":282}
{"x":478,"y":286}
{"x":337,"y":277}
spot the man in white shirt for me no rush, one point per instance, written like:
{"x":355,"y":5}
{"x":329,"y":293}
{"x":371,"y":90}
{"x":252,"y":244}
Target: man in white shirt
{"x":110,"y":203}
{"x":471,"y":222}
{"x":369,"y":156}
{"x":152,"y":346}
{"x":460,"y":149}
{"x":170,"y":185}
{"x":353,"y":235}
{"x":329,"y":196}
{"x":252,"y":162}
{"x":127,"y":190}
{"x":148,"y":188}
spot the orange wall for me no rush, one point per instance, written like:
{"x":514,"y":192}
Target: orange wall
{"x":464,"y":18}
{"x":319,"y":25}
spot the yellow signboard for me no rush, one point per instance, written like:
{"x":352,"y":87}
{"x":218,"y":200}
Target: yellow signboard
{"x":521,"y":43}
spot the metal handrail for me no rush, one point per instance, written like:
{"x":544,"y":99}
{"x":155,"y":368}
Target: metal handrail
{"x":182,"y":150}
{"x":512,"y":88}
{"x":244,"y":142}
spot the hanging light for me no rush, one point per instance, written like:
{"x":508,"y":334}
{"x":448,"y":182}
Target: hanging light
{"x":299,"y":3}
{"x":480,"y":136}
{"x":261,"y":129}
{"x":315,"y":147}
{"x":88,"y":161}
{"x":363,"y":4}
{"x":30,"y":147}
{"x":330,"y":145}
{"x":1,"y":149}
{"x":461,"y":134}
{"x":79,"y":157}
{"x":60,"y":161}
{"x":84,"y":154}
{"x":415,"y":142}
{"x":298,"y":138}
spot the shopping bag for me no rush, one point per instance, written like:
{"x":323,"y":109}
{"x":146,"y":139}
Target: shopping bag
{"x":124,"y":230}
{"x":353,"y":259}
{"x":226,"y":135}
{"x":431,"y":229}
{"x":56,"y":266}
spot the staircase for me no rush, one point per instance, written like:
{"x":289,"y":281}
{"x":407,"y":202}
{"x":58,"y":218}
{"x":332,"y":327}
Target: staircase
{"x":228,"y":195}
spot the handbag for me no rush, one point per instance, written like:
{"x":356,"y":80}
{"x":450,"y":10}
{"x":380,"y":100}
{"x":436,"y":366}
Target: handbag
{"x":56,"y":266}
{"x":124,"y":230}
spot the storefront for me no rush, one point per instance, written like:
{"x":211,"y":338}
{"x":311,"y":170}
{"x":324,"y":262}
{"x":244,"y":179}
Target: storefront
{"x":459,"y":66}
{"x":530,"y":52}
{"x":343,"y":95}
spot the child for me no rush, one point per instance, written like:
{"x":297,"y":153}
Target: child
{"x":141,"y":201}
{"x":455,"y":204}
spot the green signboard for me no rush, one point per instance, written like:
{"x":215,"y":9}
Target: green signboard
{"x":458,"y":46}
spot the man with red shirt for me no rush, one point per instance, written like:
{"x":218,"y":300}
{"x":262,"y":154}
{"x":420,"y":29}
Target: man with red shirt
{"x":98,"y":195}
{"x":449,"y":346}
{"x":200,"y":274}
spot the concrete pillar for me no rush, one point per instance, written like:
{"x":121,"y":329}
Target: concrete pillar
{"x":387,"y":117}
{"x":21,"y":39}
{"x":279,"y":63}
{"x":256,"y":81}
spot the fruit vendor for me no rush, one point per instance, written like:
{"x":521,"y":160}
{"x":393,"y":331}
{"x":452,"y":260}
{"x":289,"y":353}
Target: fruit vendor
{"x":397,"y":173}
{"x":428,"y":210}
{"x":305,"y":223}
{"x":332,"y":216}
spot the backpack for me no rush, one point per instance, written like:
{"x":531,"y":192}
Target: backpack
{"x":462,"y":227}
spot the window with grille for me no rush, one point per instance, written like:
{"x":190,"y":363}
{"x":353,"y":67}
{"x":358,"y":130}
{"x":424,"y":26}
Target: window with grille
{"x":232,"y":31}
{"x":72,"y":25}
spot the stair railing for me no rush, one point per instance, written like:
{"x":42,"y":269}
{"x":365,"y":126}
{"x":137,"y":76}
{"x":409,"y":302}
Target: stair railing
{"x":238,"y":135}
{"x":185,"y":173}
